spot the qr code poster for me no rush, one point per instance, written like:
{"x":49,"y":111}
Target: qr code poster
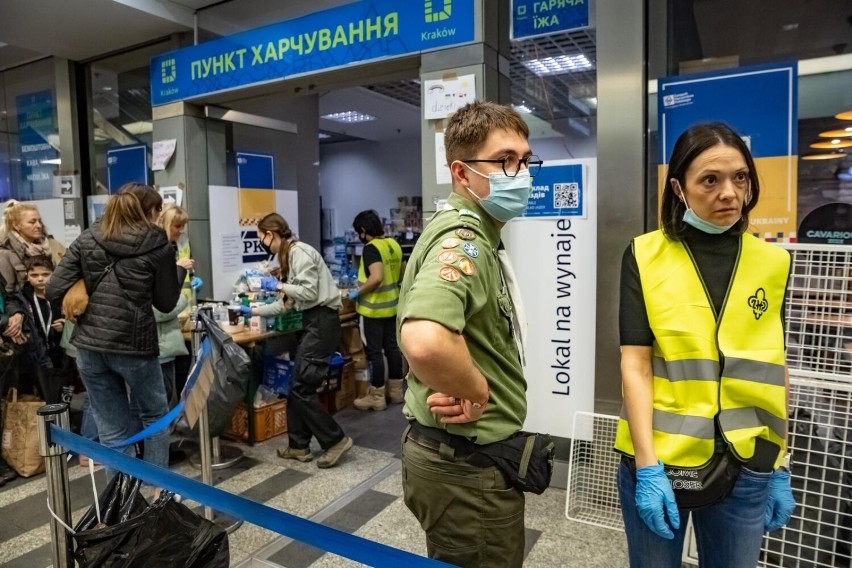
{"x":557,"y":191}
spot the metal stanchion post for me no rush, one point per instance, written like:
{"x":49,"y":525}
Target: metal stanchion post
{"x":56,"y":474}
{"x":205,"y":447}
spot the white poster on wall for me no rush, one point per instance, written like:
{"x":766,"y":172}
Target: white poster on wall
{"x":442,"y":97}
{"x":555,"y":260}
{"x":442,"y":170}
{"x":235,"y":247}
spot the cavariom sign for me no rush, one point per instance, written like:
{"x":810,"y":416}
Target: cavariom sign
{"x":354,"y":33}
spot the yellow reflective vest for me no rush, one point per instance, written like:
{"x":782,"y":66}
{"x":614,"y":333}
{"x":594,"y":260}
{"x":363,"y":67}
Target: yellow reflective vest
{"x":730,"y":367}
{"x":382,"y":302}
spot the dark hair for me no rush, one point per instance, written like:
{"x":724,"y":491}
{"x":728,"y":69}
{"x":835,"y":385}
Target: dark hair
{"x":38,"y":261}
{"x":694,"y":141}
{"x":275,"y":223}
{"x":368,"y":222}
{"x":130,"y":209}
{"x":469,"y":127}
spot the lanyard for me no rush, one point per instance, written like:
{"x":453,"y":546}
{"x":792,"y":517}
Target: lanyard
{"x":45,"y":324}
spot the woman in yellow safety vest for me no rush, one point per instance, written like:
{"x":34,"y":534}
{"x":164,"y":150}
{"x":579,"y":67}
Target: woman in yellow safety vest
{"x":704,"y":423}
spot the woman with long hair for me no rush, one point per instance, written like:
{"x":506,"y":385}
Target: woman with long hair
{"x":128,"y":266}
{"x":304,"y":278}
{"x":23,"y":236}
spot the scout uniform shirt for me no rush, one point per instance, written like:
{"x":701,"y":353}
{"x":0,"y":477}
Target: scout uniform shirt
{"x":453,"y":278}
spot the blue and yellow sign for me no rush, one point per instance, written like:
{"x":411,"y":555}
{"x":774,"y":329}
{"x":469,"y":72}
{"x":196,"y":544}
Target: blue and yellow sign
{"x":533,"y":18}
{"x":557,"y":191}
{"x":353,"y":33}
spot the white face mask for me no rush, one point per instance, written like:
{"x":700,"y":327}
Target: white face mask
{"x":508,"y":196}
{"x":692,"y":219}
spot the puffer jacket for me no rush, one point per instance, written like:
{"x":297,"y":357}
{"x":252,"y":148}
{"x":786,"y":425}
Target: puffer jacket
{"x":119,"y":317}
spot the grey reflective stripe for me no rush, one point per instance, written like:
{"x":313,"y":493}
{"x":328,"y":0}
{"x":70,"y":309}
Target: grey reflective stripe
{"x":686,"y":369}
{"x":371,"y":306}
{"x":386,"y":288}
{"x":751,"y":417}
{"x":755,"y":371}
{"x":695,"y":426}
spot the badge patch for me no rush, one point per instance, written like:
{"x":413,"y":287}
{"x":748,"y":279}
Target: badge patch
{"x":449,"y":243}
{"x":471,"y":250}
{"x":449,"y":274}
{"x":758,"y":303}
{"x":448,"y":257}
{"x":465,"y":234}
{"x":466,"y":266}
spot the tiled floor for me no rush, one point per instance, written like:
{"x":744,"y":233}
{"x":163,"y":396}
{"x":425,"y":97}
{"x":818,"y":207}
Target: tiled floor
{"x":362,"y":495}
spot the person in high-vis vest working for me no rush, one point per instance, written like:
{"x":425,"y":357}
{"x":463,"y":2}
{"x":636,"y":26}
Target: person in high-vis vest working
{"x":377,"y":296}
{"x":703,"y":429}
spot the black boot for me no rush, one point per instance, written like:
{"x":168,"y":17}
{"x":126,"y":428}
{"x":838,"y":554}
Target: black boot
{"x":6,"y":471}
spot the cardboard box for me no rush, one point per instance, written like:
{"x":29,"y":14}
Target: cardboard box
{"x":347,"y":392}
{"x":270,"y":420}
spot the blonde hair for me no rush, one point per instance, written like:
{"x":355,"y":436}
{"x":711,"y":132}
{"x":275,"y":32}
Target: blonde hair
{"x":172,"y":216}
{"x":13,"y":213}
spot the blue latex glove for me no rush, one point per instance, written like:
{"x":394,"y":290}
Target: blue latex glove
{"x":781,"y":504}
{"x":196,"y":283}
{"x":269,"y":283}
{"x":655,"y":500}
{"x":353,"y":294}
{"x":245,"y":311}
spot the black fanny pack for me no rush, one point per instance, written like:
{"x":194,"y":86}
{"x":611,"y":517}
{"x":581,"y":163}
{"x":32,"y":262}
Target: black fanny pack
{"x":695,"y":488}
{"x":526,"y":459}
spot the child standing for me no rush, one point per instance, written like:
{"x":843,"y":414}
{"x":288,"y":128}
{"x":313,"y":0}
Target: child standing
{"x":50,"y":365}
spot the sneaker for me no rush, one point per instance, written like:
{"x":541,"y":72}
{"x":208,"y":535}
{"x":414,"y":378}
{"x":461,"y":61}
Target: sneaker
{"x":303,"y":456}
{"x":333,"y":454}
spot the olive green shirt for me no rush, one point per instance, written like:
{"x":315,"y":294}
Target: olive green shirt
{"x":453,"y":278}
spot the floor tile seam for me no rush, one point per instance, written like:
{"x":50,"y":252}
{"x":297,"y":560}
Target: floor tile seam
{"x":342,"y":501}
{"x":12,"y":495}
{"x":39,"y":535}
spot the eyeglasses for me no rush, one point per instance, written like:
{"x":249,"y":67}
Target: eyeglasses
{"x":512,"y":165}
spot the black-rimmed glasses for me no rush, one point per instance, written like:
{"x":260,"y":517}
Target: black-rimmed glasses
{"x":512,"y":165}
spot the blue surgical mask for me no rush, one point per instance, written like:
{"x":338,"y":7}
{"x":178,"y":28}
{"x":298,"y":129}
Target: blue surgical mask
{"x":508,"y":196}
{"x":692,"y":219}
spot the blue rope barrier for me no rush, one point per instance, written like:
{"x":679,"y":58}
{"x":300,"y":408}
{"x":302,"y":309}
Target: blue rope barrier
{"x":312,"y":533}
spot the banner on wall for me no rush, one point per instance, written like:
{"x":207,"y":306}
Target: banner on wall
{"x":126,"y":164}
{"x":352,"y":33}
{"x":760,"y":103}
{"x":234,"y":243}
{"x":534,"y":18}
{"x":39,"y":158}
{"x":554,"y":255}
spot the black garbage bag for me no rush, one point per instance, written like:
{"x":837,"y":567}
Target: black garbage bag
{"x":231,"y":368}
{"x":136,"y":535}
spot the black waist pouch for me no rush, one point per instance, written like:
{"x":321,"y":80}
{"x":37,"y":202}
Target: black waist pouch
{"x":696,"y":488}
{"x":526,"y":459}
{"x":699,"y":487}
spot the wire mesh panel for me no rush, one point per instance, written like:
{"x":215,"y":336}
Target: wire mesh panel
{"x":592,"y":495}
{"x":820,"y":426}
{"x":819,"y":312}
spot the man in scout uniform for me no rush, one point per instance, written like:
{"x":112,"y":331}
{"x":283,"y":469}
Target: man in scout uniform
{"x":377,"y":295}
{"x":460,"y":328}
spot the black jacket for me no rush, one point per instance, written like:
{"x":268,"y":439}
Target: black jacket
{"x":119,"y":318}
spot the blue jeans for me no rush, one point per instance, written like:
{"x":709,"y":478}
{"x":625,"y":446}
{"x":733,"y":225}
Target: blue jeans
{"x":108,"y":377}
{"x":728,"y":534}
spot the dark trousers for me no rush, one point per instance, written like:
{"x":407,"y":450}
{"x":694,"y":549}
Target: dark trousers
{"x":380,"y":337}
{"x":305,"y":415}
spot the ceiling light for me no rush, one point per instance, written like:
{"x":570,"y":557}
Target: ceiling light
{"x":558,"y":65}
{"x":141,"y":127}
{"x":823,"y":156}
{"x":591,"y":101}
{"x":790,"y":27}
{"x":522,"y":108}
{"x":54,"y":161}
{"x":349,"y":116}
{"x":323,"y":135}
{"x":845,"y":115}
{"x":846,"y":132}
{"x":836,"y":143}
